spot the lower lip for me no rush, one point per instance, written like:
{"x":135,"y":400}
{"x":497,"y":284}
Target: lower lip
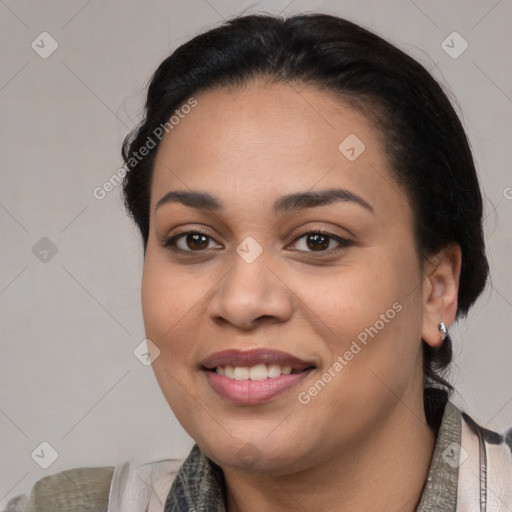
{"x":251,"y":392}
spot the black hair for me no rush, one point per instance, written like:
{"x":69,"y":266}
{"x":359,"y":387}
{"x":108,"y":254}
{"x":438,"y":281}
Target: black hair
{"x":426,"y":144}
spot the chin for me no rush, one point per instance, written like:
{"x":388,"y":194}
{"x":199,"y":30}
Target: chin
{"x":256,"y":456}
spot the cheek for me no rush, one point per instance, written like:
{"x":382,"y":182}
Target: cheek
{"x":168,"y":303}
{"x":170,"y":319}
{"x":373,"y":313}
{"x":348,"y":300}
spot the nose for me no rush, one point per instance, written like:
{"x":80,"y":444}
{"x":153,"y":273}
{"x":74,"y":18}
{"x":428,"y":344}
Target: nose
{"x":250,"y":294}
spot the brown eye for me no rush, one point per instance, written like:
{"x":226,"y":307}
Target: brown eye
{"x":190,"y":241}
{"x":196,"y":241}
{"x":312,"y":241}
{"x":319,"y":241}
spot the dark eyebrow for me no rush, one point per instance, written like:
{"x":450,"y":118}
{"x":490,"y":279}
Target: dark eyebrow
{"x":285,"y":204}
{"x":302,"y":200}
{"x":200,"y":200}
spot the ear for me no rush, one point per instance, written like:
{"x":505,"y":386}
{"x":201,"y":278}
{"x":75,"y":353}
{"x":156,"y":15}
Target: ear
{"x":440,"y":291}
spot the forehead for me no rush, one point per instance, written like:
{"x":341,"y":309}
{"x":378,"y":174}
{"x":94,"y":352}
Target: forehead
{"x":268,"y":139}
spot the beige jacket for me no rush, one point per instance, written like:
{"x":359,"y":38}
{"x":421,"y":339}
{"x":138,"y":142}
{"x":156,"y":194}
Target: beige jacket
{"x":470,"y":471}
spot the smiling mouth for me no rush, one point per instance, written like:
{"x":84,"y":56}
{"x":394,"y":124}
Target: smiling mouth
{"x":242,"y":389}
{"x":254,"y":376}
{"x":257,"y":372}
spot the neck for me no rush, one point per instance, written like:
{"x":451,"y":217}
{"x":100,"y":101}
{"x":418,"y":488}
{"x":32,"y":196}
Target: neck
{"x":386,"y":473}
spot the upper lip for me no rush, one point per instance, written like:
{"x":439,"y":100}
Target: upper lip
{"x":248,"y":358}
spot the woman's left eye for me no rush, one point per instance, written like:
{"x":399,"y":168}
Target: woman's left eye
{"x":320,"y":241}
{"x":314,"y":241}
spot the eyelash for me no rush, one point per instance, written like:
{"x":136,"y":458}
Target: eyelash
{"x":344,"y":242}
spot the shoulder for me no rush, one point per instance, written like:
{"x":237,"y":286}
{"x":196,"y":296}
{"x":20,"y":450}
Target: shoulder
{"x":98,"y":489}
{"x":490,"y":437}
{"x":70,"y":490}
{"x":487,"y":453}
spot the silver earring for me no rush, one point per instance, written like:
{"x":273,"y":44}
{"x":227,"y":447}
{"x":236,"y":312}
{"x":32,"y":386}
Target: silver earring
{"x":443,"y":331}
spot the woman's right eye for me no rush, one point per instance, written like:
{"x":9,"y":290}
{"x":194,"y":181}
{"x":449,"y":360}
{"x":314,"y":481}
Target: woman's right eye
{"x":188,"y":241}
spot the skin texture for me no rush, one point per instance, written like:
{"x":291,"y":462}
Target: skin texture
{"x":362,"y":442}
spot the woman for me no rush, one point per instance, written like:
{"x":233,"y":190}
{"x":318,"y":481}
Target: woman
{"x":312,"y":226}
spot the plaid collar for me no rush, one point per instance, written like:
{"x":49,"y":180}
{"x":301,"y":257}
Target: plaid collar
{"x":199,"y":485}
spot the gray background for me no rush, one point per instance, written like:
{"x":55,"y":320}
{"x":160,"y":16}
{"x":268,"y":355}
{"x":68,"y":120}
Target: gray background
{"x":69,"y":324}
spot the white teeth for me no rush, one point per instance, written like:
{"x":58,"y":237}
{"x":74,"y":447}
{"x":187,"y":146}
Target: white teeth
{"x":274,"y":370}
{"x":241,"y":373}
{"x":256,"y":372}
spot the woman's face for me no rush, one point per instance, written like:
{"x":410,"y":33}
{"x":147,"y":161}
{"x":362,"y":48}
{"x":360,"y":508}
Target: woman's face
{"x":344,"y":309}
